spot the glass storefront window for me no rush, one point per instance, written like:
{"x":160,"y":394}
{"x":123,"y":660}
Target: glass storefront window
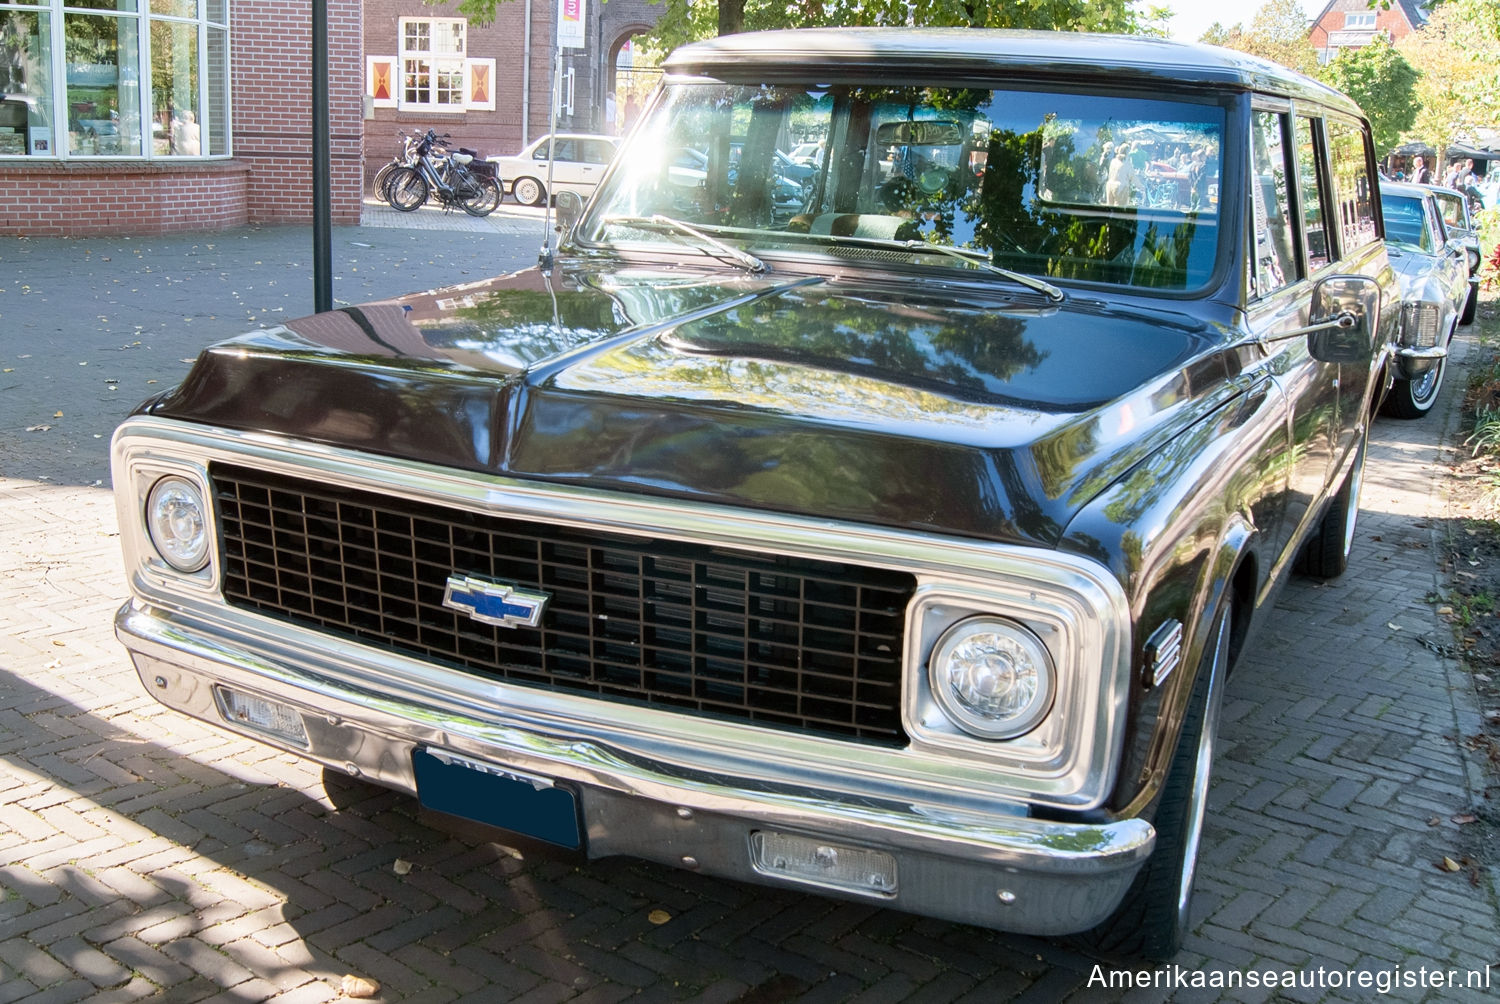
{"x":176,"y":129}
{"x":25,"y":83}
{"x":142,"y":79}
{"x":104,"y":85}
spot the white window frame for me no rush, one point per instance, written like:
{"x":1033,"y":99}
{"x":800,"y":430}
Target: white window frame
{"x":1359,"y":20}
{"x":435,"y":63}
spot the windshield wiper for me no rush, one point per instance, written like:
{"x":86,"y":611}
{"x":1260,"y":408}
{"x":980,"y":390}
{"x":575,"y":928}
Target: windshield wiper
{"x":967,"y":255}
{"x":976,"y":257}
{"x":743,"y":258}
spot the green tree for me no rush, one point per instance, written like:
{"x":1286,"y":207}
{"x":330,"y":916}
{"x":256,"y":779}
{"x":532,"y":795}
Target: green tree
{"x":1383,"y":83}
{"x":1458,"y":51}
{"x":1278,"y":33}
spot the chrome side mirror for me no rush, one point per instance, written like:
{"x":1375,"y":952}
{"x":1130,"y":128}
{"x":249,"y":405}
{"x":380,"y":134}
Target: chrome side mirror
{"x":569,"y":210}
{"x":1346,"y":309}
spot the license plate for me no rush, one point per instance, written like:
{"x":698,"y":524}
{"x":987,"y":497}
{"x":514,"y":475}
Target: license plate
{"x":497,"y":796}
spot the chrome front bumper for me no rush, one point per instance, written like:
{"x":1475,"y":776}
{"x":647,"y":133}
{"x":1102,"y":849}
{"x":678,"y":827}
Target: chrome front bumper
{"x":1003,"y":871}
{"x":1413,"y":363}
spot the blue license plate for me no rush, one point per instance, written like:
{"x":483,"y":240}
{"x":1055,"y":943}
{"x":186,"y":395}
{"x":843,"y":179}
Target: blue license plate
{"x":497,"y":796}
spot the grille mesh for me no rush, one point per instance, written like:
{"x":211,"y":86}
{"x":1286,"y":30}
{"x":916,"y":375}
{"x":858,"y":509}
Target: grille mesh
{"x":806,"y":646}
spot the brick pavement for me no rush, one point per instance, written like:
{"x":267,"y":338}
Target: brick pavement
{"x":143,"y":855}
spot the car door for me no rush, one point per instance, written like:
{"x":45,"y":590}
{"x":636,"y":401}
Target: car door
{"x":1280,"y":303}
{"x":594,"y":156}
{"x":567,"y":172}
{"x":1453,"y":264}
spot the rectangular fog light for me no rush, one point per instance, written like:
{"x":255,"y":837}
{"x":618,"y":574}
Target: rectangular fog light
{"x":269,"y":717}
{"x":817,"y":862}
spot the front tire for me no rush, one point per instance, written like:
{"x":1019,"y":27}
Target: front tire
{"x":528,"y":191}
{"x":406,"y":189}
{"x":1471,"y":306}
{"x":1415,"y":398}
{"x":1152,"y":921}
{"x":1326,"y":553}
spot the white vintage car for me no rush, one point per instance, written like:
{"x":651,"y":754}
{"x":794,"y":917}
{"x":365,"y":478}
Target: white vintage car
{"x":578,"y":161}
{"x":1433,"y":269}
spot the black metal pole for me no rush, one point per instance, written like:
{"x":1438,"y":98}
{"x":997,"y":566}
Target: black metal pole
{"x":322,"y":199}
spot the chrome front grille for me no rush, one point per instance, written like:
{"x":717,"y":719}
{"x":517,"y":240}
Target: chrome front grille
{"x":808,"y":646}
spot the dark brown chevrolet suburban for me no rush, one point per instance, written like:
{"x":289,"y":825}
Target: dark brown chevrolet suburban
{"x":882,"y":522}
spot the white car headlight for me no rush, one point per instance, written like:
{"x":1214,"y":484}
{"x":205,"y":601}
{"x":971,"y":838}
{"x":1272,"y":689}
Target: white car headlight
{"x":992,"y":678}
{"x":1473,"y":259}
{"x":177,"y":520}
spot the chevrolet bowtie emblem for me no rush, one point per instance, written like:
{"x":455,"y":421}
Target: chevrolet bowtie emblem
{"x":494,"y":602}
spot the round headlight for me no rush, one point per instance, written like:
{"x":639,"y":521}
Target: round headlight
{"x":1473,"y":259}
{"x":992,"y":678}
{"x":178,"y":522}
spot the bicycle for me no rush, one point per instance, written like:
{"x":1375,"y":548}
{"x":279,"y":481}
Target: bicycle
{"x":461,"y":180}
{"x":407,"y":157}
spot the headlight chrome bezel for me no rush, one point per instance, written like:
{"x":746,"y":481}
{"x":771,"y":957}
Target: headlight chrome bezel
{"x":1079,"y":735}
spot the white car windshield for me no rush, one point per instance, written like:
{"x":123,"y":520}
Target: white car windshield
{"x":1103,"y":189}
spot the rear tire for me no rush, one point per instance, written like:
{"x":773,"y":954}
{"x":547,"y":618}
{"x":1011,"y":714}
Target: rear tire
{"x":528,"y":191}
{"x":481,"y":197}
{"x":1152,"y":921}
{"x":1326,"y":553}
{"x":406,"y":189}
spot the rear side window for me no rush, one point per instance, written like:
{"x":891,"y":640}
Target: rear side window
{"x":1275,"y":260}
{"x":1311,"y":181}
{"x":1353,"y":185}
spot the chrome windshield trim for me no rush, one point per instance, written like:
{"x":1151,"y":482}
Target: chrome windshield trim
{"x":948,"y":770}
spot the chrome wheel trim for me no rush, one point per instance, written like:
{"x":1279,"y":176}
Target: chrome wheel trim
{"x":1425,"y":390}
{"x":1202,"y":771}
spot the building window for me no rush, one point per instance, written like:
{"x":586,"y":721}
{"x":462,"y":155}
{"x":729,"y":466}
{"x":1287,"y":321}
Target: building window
{"x":432,"y":64}
{"x":138,"y":79}
{"x":1360,"y":20}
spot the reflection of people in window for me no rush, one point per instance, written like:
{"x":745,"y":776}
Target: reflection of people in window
{"x":1122,"y":180}
{"x":185,"y":135}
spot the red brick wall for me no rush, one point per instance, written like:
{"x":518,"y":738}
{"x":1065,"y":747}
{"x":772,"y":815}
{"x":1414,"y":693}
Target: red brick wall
{"x":492,"y":133}
{"x":77,"y":199}
{"x":272,"y":110}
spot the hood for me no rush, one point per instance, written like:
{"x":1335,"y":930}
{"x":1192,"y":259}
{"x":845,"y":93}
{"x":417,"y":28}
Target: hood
{"x":1411,"y":265}
{"x":985,"y":413}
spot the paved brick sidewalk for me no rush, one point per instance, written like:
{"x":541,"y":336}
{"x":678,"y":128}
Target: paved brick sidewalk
{"x":145,"y":856}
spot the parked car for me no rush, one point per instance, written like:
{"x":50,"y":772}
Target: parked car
{"x":578,"y":161}
{"x":896,"y":551}
{"x":1457,"y":218}
{"x":1433,"y":269}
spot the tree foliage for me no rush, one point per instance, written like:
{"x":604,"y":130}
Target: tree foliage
{"x":1383,"y":83}
{"x":1458,"y":52}
{"x":1278,"y":33}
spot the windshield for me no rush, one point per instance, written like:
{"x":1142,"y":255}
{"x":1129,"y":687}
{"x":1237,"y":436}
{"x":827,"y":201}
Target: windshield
{"x":1405,"y":223}
{"x":1103,"y":189}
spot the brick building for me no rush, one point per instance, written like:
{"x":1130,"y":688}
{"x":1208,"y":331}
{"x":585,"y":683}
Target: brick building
{"x":490,"y":86}
{"x":1353,"y":24}
{"x":161,"y":115}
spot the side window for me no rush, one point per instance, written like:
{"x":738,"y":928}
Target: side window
{"x":1275,"y":263}
{"x":1311,"y":182}
{"x":1353,"y":185}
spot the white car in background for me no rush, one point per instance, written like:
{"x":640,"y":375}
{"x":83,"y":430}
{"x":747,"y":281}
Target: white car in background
{"x":578,"y":161}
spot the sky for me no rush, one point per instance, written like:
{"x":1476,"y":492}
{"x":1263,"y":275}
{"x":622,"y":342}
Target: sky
{"x":1195,"y":16}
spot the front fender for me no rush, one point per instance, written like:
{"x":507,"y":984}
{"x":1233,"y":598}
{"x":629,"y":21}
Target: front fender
{"x":1191,"y":527}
